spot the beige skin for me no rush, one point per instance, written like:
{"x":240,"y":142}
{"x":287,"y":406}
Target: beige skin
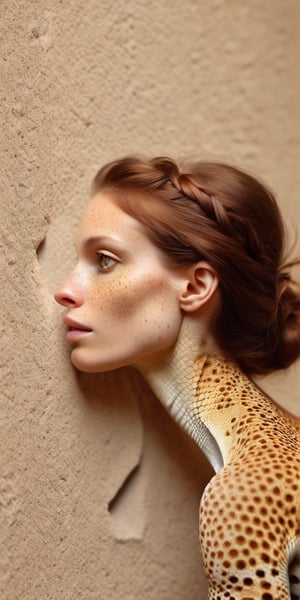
{"x":139,"y":310}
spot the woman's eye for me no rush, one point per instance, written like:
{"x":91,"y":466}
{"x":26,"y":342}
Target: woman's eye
{"x":105,"y":261}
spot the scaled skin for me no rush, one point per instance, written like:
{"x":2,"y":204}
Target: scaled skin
{"x":140,"y":312}
{"x":130,"y":299}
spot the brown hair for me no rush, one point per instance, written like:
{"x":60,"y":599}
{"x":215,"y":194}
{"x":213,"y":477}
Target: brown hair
{"x":217,"y":213}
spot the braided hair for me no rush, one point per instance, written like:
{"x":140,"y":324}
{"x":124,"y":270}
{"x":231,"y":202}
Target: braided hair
{"x":220,"y":214}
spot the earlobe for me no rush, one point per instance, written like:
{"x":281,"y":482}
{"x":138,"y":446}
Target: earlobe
{"x":200,"y":284}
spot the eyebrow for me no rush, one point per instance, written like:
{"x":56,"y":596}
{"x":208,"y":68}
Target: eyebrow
{"x":103,"y":239}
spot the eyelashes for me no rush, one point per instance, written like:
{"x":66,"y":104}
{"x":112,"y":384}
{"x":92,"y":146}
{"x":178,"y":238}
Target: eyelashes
{"x":105,"y":261}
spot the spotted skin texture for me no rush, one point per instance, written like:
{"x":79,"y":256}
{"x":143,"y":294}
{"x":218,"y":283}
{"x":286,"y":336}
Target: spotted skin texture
{"x":250,"y":510}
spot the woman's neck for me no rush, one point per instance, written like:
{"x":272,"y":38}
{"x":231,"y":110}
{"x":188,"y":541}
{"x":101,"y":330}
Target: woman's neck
{"x":174,"y":379}
{"x":171,"y":373}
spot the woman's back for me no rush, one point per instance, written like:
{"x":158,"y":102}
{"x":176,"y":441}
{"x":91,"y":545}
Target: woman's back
{"x":250,"y":510}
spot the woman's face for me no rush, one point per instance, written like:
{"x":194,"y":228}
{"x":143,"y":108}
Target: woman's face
{"x":122,"y":300}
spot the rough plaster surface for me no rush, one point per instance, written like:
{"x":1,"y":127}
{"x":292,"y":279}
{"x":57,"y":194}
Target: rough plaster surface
{"x":99,"y":489}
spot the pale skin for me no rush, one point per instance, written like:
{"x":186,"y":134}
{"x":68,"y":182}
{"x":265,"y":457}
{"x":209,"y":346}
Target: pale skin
{"x":125,"y":305}
{"x":138,"y":311}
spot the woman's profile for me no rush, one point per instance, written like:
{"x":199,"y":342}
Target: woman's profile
{"x":181,"y":275}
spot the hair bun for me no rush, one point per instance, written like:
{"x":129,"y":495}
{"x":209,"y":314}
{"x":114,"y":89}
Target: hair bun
{"x":218,"y":213}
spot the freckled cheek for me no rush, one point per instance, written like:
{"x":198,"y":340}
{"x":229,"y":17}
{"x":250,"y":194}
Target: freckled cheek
{"x":117,"y":296}
{"x":124,"y":295}
{"x":109,"y":297}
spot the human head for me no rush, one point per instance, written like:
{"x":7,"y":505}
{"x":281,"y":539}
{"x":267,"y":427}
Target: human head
{"x":123,"y":301}
{"x":222,"y":215}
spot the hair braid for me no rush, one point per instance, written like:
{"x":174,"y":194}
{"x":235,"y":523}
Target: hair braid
{"x":217,"y":213}
{"x":188,"y":185}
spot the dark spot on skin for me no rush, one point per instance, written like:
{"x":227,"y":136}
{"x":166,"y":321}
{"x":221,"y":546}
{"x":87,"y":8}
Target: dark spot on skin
{"x":240,"y":539}
{"x":265,"y":558}
{"x":260,"y":573}
{"x":266,"y":585}
{"x":275,"y":572}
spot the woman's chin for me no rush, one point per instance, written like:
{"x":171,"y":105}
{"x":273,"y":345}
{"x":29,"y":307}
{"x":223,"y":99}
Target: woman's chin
{"x":91,"y":365}
{"x":88,"y":366}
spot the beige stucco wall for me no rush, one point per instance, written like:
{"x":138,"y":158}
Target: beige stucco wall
{"x":84,"y":81}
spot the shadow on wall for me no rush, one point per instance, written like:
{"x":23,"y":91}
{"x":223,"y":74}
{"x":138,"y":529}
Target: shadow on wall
{"x":160,"y":437}
{"x":113,"y":395}
{"x":141,"y":476}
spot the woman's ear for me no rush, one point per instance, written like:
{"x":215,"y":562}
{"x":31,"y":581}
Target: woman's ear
{"x":201,"y":281}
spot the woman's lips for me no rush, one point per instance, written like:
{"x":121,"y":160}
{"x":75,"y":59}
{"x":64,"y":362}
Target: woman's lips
{"x":74,"y":335}
{"x":76,"y":330}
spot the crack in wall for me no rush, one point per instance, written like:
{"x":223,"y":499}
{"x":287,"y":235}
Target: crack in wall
{"x":40,"y":250}
{"x":127,"y":509}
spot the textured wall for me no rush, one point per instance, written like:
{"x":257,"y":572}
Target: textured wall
{"x":99,"y":489}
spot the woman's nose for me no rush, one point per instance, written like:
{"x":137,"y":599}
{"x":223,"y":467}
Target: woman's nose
{"x":70,"y":293}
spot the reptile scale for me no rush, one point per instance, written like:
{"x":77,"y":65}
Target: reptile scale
{"x":182,"y":276}
{"x":250,"y":510}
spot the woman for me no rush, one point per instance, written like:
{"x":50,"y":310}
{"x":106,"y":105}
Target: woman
{"x":180,"y":274}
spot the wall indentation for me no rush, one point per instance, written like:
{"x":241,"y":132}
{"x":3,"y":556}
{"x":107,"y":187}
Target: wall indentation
{"x":126,"y":508}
